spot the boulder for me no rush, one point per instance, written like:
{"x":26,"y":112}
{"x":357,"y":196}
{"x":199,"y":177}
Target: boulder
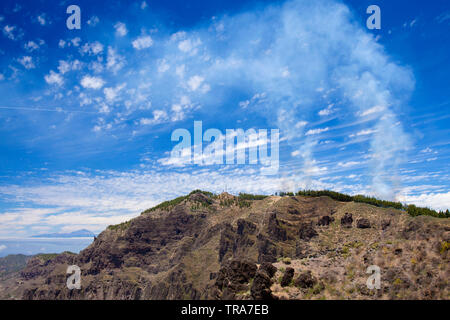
{"x":347,"y":220}
{"x":260,"y":289}
{"x":269,"y":268}
{"x":287,"y":277}
{"x":234,"y":276}
{"x":325,"y":221}
{"x":363,"y":223}
{"x":305,"y":280}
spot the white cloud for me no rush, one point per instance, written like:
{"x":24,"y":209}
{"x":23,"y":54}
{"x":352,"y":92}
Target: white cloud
{"x":316,"y":131}
{"x":143,"y":5}
{"x":27,"y":62}
{"x":75,"y":41}
{"x":31,"y":46}
{"x":41,"y":19}
{"x":93,"y":48}
{"x":111,"y":93}
{"x":327,"y":111}
{"x":104,"y":108}
{"x":244,"y":104}
{"x":179,"y":109}
{"x":158,"y":117}
{"x":96,"y":66}
{"x":121,"y":29}
{"x":178,"y":35}
{"x":443,"y":17}
{"x":8,"y":31}
{"x":436,"y":201}
{"x":92,"y":82}
{"x":285,"y":73}
{"x":2,"y":247}
{"x":163,"y":66}
{"x":195,"y":82}
{"x":311,"y":169}
{"x":363,"y":133}
{"x":114,"y":61}
{"x":258,"y":98}
{"x":93,"y":21}
{"x":189,"y":46}
{"x":84,"y":99}
{"x":427,"y":150}
{"x":142,"y":42}
{"x":301,"y":124}
{"x":374,"y":109}
{"x":180,"y":70}
{"x":66,"y":66}
{"x":54,"y":78}
{"x":348,"y":164}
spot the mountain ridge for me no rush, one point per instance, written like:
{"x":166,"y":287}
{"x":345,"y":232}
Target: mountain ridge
{"x":206,"y":246}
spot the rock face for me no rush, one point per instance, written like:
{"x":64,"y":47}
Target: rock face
{"x":275,"y":229}
{"x":325,"y":221}
{"x":287,"y":277}
{"x":305,"y":280}
{"x":306,"y":231}
{"x":224,"y":247}
{"x":269,"y":268}
{"x":363,"y":223}
{"x":260,"y":289}
{"x":385,"y":224}
{"x":347,"y":220}
{"x":234,"y":277}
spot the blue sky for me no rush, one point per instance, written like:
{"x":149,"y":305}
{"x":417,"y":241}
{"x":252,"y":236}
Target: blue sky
{"x":86,"y":116}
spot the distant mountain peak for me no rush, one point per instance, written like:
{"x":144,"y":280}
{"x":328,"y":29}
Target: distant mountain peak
{"x":82,"y":233}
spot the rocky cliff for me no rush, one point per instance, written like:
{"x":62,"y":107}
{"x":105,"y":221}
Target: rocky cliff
{"x":206,"y":246}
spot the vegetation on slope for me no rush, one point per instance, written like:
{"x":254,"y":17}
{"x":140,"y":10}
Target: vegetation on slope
{"x":410,"y":209}
{"x":248,"y":196}
{"x":243,"y":200}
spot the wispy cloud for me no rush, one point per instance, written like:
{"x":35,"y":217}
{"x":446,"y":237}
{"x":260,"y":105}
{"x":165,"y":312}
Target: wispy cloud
{"x":316,"y":131}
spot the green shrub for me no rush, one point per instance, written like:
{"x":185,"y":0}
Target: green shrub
{"x":248,"y":196}
{"x":444,"y":247}
{"x":334,"y":195}
{"x":282,"y":194}
{"x":206,"y":193}
{"x":46,"y":256}
{"x":227,"y":202}
{"x":417,"y":211}
{"x":120,"y":226}
{"x":243,"y":203}
{"x":286,"y":260}
{"x":167,"y":205}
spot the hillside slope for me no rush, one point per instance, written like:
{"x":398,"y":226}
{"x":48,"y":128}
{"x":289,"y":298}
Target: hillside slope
{"x":205,"y":246}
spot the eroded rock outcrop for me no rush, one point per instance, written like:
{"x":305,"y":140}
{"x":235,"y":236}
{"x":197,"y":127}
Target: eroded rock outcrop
{"x":347,"y":220}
